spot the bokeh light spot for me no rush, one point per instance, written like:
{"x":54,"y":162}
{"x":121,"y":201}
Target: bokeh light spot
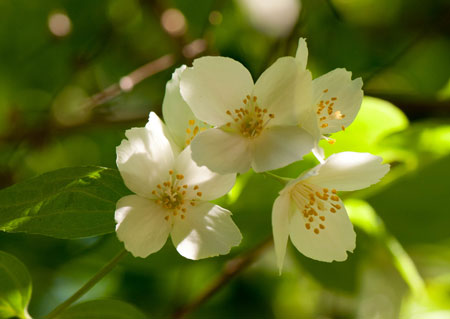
{"x":173,"y":21}
{"x":59,"y":24}
{"x":215,"y":18}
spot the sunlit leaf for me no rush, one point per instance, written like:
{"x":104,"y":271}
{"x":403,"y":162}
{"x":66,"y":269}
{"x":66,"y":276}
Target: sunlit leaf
{"x":101,"y":309}
{"x":376,"y":120}
{"x":66,"y":203}
{"x":15,"y":287}
{"x":413,"y":207}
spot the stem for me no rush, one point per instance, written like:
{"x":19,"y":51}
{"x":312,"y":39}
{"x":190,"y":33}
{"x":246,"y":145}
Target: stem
{"x":231,"y":270}
{"x":405,"y":265}
{"x":282,"y":180}
{"x":334,"y":10}
{"x":87,"y":286}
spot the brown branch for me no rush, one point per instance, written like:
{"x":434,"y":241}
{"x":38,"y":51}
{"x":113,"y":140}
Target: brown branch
{"x":127,"y":82}
{"x":232,"y":268}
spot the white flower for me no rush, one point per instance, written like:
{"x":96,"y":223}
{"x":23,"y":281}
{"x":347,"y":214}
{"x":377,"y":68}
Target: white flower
{"x":171,"y":198}
{"x":336,"y":101}
{"x":310,"y":211}
{"x":255,"y":124}
{"x":181,"y":122}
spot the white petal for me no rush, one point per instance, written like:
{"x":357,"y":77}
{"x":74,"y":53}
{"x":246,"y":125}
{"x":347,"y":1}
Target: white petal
{"x":308,"y":121}
{"x":348,"y":171}
{"x":214,"y":85}
{"x":280,"y":227}
{"x":207,"y":231}
{"x":222,"y":152}
{"x":179,"y":118}
{"x":210,"y":184}
{"x":145,"y":157}
{"x":302,"y":53}
{"x":279,"y":146}
{"x":319,"y":153}
{"x":331,"y":243}
{"x":141,"y":225}
{"x":279,"y":88}
{"x":337,"y":84}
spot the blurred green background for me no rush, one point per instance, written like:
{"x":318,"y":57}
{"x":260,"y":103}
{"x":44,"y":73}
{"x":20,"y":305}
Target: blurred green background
{"x":68,"y":92}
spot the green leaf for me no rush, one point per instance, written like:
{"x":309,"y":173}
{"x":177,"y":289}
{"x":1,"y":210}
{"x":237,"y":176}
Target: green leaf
{"x":101,"y":309}
{"x":15,"y":287}
{"x":66,"y":203}
{"x":413,"y":208}
{"x":376,"y":120}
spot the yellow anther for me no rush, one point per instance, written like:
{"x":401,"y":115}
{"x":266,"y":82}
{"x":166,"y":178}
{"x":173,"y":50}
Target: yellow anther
{"x":343,"y":127}
{"x":191,"y":122}
{"x":334,"y":191}
{"x":188,"y":141}
{"x":167,"y":217}
{"x":196,"y":130}
{"x":333,"y":210}
{"x":195,"y":187}
{"x":321,"y":226}
{"x":325,"y":91}
{"x":182,"y":216}
{"x":308,"y":226}
{"x":316,"y":231}
{"x":322,"y":218}
{"x":333,"y":98}
{"x":325,"y":190}
{"x":335,"y":198}
{"x":188,"y":130}
{"x":324,"y":125}
{"x":199,"y":193}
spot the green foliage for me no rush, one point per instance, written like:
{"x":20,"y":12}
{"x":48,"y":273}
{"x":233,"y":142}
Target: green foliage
{"x":15,"y":287}
{"x":402,"y":56}
{"x":412,"y":207}
{"x":376,"y":120}
{"x":67,"y":203}
{"x":101,"y":309}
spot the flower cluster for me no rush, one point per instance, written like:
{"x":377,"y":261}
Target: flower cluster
{"x":219,"y":123}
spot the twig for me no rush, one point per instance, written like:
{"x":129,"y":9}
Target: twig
{"x":127,"y":82}
{"x":232,"y":269}
{"x":87,"y":286}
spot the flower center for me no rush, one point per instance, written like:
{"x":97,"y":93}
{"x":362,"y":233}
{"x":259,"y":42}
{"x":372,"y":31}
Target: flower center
{"x":192,"y":130}
{"x":330,"y":114}
{"x":314,"y":203}
{"x":174,"y":196}
{"x":250,"y":120}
